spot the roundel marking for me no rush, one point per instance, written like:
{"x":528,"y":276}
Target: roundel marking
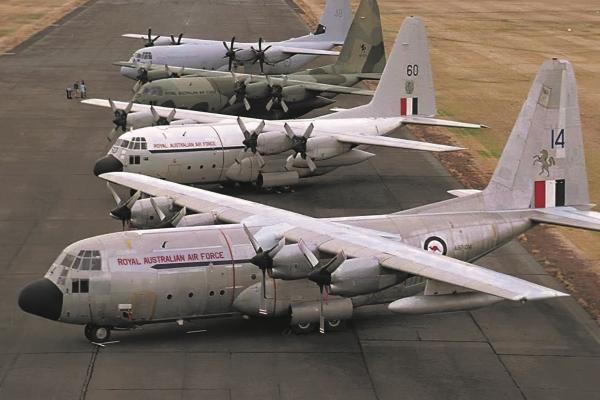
{"x":436,"y":245}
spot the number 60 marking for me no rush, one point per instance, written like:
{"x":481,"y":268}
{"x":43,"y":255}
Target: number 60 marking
{"x":412,"y":70}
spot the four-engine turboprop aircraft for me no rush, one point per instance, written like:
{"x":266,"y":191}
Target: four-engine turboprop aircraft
{"x":279,"y":153}
{"x":258,"y":96}
{"x":272,"y":57}
{"x":419,"y":258}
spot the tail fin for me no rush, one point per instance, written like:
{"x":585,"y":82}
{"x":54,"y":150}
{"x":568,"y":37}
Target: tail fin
{"x":335,"y":21}
{"x":406,"y":85}
{"x":543,"y":163}
{"x":363,"y":49}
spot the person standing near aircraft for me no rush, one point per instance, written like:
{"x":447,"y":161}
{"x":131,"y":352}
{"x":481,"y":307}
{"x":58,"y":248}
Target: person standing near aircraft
{"x":83,"y":89}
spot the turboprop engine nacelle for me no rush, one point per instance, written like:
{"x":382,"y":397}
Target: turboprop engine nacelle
{"x":246,"y":170}
{"x":324,"y":147}
{"x":290,"y":263}
{"x":140,"y":119}
{"x":202,"y":219}
{"x":358,"y":276}
{"x":144,"y":216}
{"x":294,"y":93}
{"x":273,"y":143}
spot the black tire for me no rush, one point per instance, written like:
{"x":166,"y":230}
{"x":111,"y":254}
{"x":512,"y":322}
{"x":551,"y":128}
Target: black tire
{"x":97,"y":334}
{"x":334,"y":325}
{"x":303,"y":328}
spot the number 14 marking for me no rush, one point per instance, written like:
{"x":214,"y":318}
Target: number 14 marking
{"x":559,"y":140}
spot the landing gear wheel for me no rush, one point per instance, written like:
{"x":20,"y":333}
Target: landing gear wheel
{"x":96,"y":333}
{"x":303,"y":328}
{"x":334,"y":325}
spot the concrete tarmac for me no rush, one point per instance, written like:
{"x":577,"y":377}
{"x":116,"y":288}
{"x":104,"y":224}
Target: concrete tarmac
{"x":50,"y":198}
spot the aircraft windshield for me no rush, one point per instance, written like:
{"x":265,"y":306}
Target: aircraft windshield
{"x":85,"y":260}
{"x":136,"y":143}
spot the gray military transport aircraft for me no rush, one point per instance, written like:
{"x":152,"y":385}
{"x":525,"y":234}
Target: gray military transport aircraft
{"x":279,"y":153}
{"x":258,"y":96}
{"x":418,"y":260}
{"x":281,"y":57}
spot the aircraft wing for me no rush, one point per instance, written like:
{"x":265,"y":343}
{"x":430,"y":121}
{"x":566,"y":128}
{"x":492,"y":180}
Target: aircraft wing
{"x":163,"y":39}
{"x":386,"y":141}
{"x":331,"y":237}
{"x":302,"y":50}
{"x":198,"y":116}
{"x":312,"y":86}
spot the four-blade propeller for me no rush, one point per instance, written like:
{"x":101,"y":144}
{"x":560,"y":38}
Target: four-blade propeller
{"x":250,"y":141}
{"x":150,"y":41}
{"x":321,"y":275}
{"x":123,"y":209}
{"x":277,"y":94}
{"x":260,"y":55}
{"x":263,"y":259}
{"x":299,"y":146}
{"x":230,"y":52}
{"x":120,"y":118}
{"x":239,"y":91}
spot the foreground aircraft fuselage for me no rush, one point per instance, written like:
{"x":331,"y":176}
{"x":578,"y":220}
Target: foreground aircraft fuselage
{"x":132,"y":278}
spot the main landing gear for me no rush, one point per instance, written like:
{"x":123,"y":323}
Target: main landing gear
{"x":303,"y":328}
{"x":97,"y":334}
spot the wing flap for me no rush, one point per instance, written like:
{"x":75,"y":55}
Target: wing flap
{"x":386,"y":141}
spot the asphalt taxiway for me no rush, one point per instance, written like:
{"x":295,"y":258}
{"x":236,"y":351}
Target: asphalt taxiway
{"x":50,"y":198}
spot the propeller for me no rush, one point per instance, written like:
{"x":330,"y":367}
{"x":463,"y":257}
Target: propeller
{"x":260,"y":55}
{"x":277,"y":94}
{"x":230,"y":52}
{"x":178,"y":41}
{"x":141,"y":78}
{"x":321,"y":275}
{"x":159,"y":120}
{"x":164,"y":221}
{"x":250,"y":141}
{"x":171,"y":73}
{"x":299,"y":146}
{"x":263,"y":259}
{"x":150,"y":41}
{"x":239,"y":91}
{"x":123,"y":209}
{"x":120,"y":118}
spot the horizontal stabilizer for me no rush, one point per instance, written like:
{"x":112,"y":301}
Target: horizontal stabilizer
{"x":568,"y":216}
{"x":463,"y":192}
{"x":415,"y":120}
{"x":393,"y":142}
{"x":307,"y":51}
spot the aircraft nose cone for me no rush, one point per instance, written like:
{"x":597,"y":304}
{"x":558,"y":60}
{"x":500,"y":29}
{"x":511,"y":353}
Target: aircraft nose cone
{"x":42,"y":298}
{"x":107,"y":164}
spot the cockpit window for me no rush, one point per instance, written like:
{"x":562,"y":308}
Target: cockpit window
{"x":88,"y":260}
{"x":138,"y":55}
{"x":153,"y":91}
{"x":137,"y":143}
{"x":67,"y":260}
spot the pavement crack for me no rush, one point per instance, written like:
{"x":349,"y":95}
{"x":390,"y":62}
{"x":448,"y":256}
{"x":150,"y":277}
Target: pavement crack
{"x":510,"y":375}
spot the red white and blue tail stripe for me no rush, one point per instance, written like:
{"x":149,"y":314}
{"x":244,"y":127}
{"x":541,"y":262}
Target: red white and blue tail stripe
{"x":409,"y":106}
{"x":550,"y":193}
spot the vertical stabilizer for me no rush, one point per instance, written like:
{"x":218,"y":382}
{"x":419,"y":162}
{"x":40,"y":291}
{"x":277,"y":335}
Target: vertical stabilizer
{"x":335,"y":21}
{"x":543,"y":163}
{"x":406,"y":85}
{"x":363,"y":49}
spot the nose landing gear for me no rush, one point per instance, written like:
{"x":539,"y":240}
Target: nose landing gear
{"x":97,"y":334}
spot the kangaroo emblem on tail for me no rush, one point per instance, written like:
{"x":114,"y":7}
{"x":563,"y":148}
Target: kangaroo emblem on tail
{"x":546,"y":161}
